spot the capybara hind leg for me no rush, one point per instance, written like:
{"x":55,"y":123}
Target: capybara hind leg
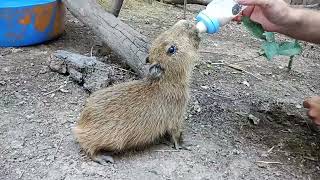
{"x":103,"y":158}
{"x":176,"y":138}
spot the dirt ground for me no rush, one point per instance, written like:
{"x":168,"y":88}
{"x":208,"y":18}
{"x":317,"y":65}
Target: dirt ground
{"x":280,"y":143}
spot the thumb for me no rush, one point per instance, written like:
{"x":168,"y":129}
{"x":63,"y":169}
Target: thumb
{"x":237,"y":18}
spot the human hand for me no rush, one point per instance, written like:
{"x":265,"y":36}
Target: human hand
{"x":313,"y":106}
{"x":273,"y":15}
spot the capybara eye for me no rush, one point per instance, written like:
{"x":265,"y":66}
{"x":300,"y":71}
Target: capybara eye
{"x":172,"y":49}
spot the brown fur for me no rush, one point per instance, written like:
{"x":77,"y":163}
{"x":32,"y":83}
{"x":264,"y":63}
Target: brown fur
{"x":135,"y":114}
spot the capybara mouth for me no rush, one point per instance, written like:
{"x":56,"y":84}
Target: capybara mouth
{"x":193,"y":33}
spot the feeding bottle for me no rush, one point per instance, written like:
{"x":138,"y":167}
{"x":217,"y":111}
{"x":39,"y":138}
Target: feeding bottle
{"x":217,"y":14}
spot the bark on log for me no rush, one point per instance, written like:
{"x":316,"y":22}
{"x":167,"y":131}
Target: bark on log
{"x":131,"y":46}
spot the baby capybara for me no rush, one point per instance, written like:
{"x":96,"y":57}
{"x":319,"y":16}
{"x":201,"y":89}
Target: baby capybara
{"x":135,"y":114}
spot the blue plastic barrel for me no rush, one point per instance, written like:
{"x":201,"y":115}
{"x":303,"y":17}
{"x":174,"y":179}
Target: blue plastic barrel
{"x":30,"y":22}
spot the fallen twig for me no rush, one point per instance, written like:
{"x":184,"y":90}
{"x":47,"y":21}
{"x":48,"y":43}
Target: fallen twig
{"x":267,"y":162}
{"x":242,"y":70}
{"x":57,"y":89}
{"x":91,"y":52}
{"x":243,"y":60}
{"x":311,"y":158}
{"x":269,"y":151}
{"x":238,"y":69}
{"x":59,"y":145}
{"x":24,"y":171}
{"x":125,"y":70}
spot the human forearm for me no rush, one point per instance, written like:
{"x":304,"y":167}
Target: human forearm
{"x":303,"y":24}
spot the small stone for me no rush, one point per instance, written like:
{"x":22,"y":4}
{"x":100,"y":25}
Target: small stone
{"x":16,"y":50}
{"x":246,"y":83}
{"x":21,"y":103}
{"x":6,"y":69}
{"x":254,"y":119}
{"x":43,"y":70}
{"x":261,"y":165}
{"x":17,"y":144}
{"x":197,"y":108}
{"x":204,"y":87}
{"x":57,"y":65}
{"x":154,"y":172}
{"x":50,"y":158}
{"x":29,"y":117}
{"x":298,"y":106}
{"x":2,"y":83}
{"x":5,"y":52}
{"x":64,"y":91}
{"x":235,"y":152}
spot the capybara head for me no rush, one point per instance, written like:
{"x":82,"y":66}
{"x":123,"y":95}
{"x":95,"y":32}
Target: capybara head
{"x":173,"y":52}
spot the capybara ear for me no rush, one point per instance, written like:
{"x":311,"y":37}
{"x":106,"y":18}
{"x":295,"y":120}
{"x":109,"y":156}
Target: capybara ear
{"x":156,"y":71}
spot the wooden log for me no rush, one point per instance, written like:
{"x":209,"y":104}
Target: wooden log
{"x":116,"y":7}
{"x":131,"y":46}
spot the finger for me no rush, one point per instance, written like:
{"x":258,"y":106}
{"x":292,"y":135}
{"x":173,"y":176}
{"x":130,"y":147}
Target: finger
{"x":314,"y":116}
{"x":317,"y":122}
{"x":248,"y":11}
{"x":254,"y":2}
{"x":237,"y":18}
{"x":312,"y":102}
{"x":306,"y":103}
{"x":313,"y":113}
{"x":315,"y":99}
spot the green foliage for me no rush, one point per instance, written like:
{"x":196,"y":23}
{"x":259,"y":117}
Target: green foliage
{"x":270,"y":46}
{"x":269,"y":36}
{"x":290,"y":48}
{"x":270,"y":49}
{"x":255,"y":28}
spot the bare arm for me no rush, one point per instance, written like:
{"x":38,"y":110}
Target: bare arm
{"x":303,"y":24}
